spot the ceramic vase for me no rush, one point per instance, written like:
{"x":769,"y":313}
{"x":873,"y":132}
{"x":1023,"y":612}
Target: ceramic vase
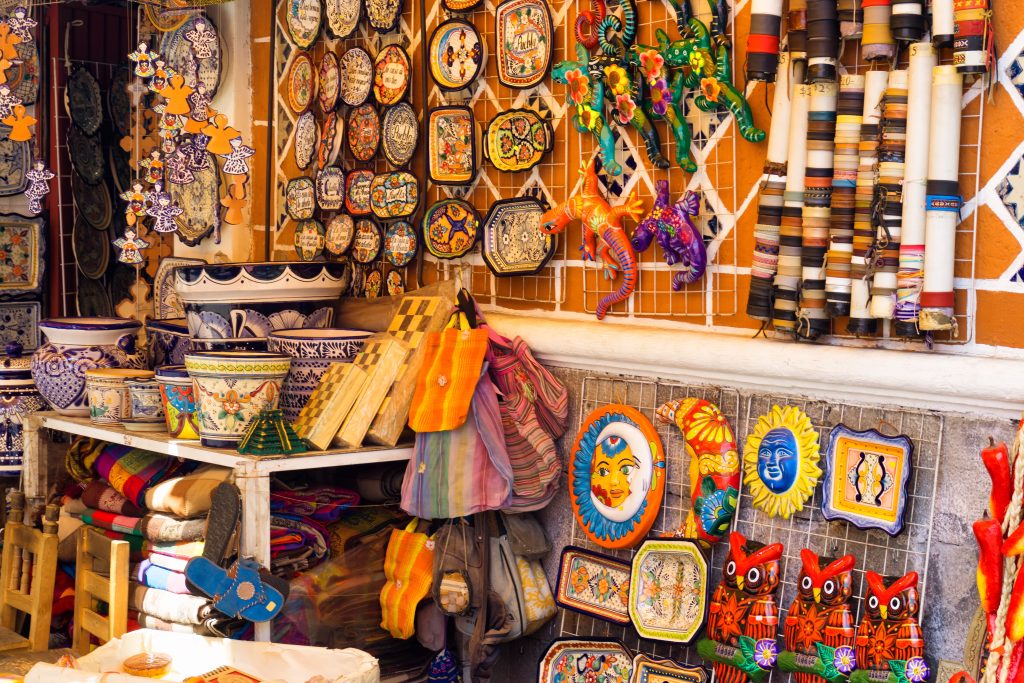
{"x":232,"y":387}
{"x":168,"y":341}
{"x":107,"y":389}
{"x":146,"y":408}
{"x":75,"y":345}
{"x":312,"y":353}
{"x":237,"y":306}
{"x":18,"y":397}
{"x":178,"y":397}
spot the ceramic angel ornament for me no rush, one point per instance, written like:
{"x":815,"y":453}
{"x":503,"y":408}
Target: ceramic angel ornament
{"x":154,"y":166}
{"x":203,"y":39}
{"x":143,"y":59}
{"x":235,"y":163}
{"x":130,"y":247}
{"x":7,"y":101}
{"x":21,"y":24}
{"x":163,"y":209}
{"x":39,"y":186}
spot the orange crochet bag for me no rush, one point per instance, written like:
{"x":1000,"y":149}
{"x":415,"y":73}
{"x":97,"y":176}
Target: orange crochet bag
{"x":409,"y":568}
{"x":452,"y":362}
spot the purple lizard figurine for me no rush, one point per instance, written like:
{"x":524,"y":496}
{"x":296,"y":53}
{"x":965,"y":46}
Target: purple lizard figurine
{"x":676,"y":233}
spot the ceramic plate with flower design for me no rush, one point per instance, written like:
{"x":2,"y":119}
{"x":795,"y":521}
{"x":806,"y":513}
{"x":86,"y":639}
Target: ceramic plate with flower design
{"x":330,"y":188}
{"x":178,"y":51}
{"x":329,"y":146}
{"x":456,"y":54}
{"x":309,"y":239}
{"x":374,"y":285}
{"x":92,"y":254}
{"x":92,"y":201}
{"x":400,"y":133}
{"x":83,"y":100}
{"x":384,"y":15}
{"x":513,"y":243}
{"x":394,"y":195}
{"x":201,"y":201}
{"x":517,"y":140}
{"x":363,"y":132}
{"x":300,"y":198}
{"x":356,"y":76}
{"x":303,"y":18}
{"x":668,"y":590}
{"x":342,"y":17}
{"x":450,"y":228}
{"x":571,"y":660}
{"x":340,"y":231}
{"x":395,"y":283}
{"x":357,"y":192}
{"x":367,"y":241}
{"x":306,"y":137}
{"x":451,"y":136}
{"x":22,"y":246}
{"x":400,"y":243}
{"x":301,"y":83}
{"x":651,"y":670}
{"x":328,"y":82}
{"x":593,"y":584}
{"x":16,"y":160}
{"x":524,"y":42}
{"x":119,"y":104}
{"x":391,"y":72}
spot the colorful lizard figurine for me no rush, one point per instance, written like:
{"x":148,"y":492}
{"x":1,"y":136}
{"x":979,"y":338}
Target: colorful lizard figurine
{"x":600,"y":221}
{"x":677,"y":236}
{"x":586,"y":94}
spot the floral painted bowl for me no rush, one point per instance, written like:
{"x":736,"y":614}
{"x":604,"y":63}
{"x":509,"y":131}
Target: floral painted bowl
{"x":179,"y":401}
{"x":107,"y":388}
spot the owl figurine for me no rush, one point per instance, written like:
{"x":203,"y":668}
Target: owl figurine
{"x":819,"y":627}
{"x":889,"y":637}
{"x":740,"y":637}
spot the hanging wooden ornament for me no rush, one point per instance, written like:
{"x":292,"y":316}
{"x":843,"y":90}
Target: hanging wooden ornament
{"x":39,"y":177}
{"x":391,"y":73}
{"x":780,"y":462}
{"x":301,"y":83}
{"x":517,"y":140}
{"x":456,"y":53}
{"x":356,"y":76}
{"x":525,"y":39}
{"x":513,"y":243}
{"x":451,"y":135}
{"x":400,"y":132}
{"x":130,"y":248}
{"x":450,"y":228}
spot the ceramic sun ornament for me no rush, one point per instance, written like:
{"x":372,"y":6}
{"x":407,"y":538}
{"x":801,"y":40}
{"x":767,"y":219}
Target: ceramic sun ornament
{"x":780,"y":461}
{"x":617,"y":476}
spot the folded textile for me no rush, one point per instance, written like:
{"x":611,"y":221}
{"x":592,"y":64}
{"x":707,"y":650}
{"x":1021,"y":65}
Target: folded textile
{"x":188,"y":495}
{"x":160,"y":528}
{"x":174,"y":564}
{"x":156,"y":623}
{"x":133,"y":471}
{"x":314,"y":535}
{"x":108,"y":520}
{"x":289,"y":558}
{"x":74,"y":506}
{"x":324,"y":504}
{"x":81,"y":457}
{"x":153,"y":576}
{"x":181,"y":609}
{"x":185,"y":550}
{"x":100,"y":495}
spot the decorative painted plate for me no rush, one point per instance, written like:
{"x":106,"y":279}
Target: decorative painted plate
{"x":23,"y":244}
{"x":400,"y":243}
{"x":19,"y":322}
{"x":302,"y":19}
{"x":307,"y":135}
{"x":569,"y":660}
{"x":201,"y":201}
{"x":451,"y":133}
{"x":309,"y":239}
{"x":363,"y":132}
{"x":342,"y":17}
{"x":340,"y":231}
{"x":384,"y":15}
{"x":651,"y":670}
{"x":165,"y":294}
{"x":356,"y":76}
{"x":395,"y":283}
{"x":400,"y":133}
{"x":357,"y":192}
{"x":300,"y":198}
{"x":92,"y":300}
{"x":593,"y":584}
{"x":456,"y":54}
{"x":301,"y":83}
{"x":119,"y":104}
{"x":15,"y":162}
{"x":23,"y":77}
{"x":367,"y":241}
{"x":329,"y":145}
{"x":517,"y":140}
{"x":513,"y":243}
{"x":668,"y":590}
{"x":374,"y":284}
{"x":866,"y":478}
{"x":616,"y":476}
{"x":391,"y":73}
{"x":450,"y":228}
{"x":83,"y":100}
{"x":178,"y":51}
{"x":780,"y":461}
{"x":461,"y":5}
{"x":85,"y":151}
{"x":394,"y":195}
{"x":524,"y":42}
{"x":120,"y":168}
{"x":330,"y":188}
{"x":92,"y":251}
{"x":92,"y":201}
{"x":358,"y":281}
{"x":328,"y":82}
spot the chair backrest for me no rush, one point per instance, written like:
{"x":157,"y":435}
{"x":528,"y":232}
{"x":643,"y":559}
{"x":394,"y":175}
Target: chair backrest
{"x":101,"y":577}
{"x":28,"y":568}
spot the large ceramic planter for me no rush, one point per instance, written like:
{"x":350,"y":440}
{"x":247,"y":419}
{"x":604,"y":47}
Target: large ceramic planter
{"x":241,"y":303}
{"x":74,"y":345}
{"x":232,"y":387}
{"x":168,"y":341}
{"x":178,"y":396}
{"x":18,"y":397}
{"x":312,"y":353}
{"x":107,"y":389}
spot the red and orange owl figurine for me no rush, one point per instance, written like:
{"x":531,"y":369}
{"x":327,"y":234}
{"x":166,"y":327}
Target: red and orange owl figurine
{"x":890,"y":641}
{"x":740,"y":637}
{"x":820,"y":627}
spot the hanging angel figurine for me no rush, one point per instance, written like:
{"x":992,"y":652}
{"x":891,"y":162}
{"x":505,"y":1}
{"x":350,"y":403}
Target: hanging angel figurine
{"x":7,"y":101}
{"x":143,"y":59}
{"x":21,"y":24}
{"x":235,"y":163}
{"x":203,"y":39}
{"x":136,"y":199}
{"x":162,"y":208}
{"x":39,"y":186}
{"x":154,"y":167}
{"x":130,"y":248}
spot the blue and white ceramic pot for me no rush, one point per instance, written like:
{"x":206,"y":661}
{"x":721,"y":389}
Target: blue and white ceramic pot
{"x":168,"y":341}
{"x":107,"y":389}
{"x":312,"y":353}
{"x":74,"y":345}
{"x":18,"y":397}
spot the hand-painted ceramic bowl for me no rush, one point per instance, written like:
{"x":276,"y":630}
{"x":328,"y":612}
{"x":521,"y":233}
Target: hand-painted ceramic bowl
{"x":232,"y":387}
{"x":109,"y":401}
{"x":18,"y":397}
{"x":312,"y":353}
{"x":168,"y":341}
{"x":144,"y":396}
{"x":179,"y":401}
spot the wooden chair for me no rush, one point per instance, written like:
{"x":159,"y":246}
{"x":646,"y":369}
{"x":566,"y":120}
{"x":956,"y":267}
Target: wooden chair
{"x":102,"y":576}
{"x":28,"y":568}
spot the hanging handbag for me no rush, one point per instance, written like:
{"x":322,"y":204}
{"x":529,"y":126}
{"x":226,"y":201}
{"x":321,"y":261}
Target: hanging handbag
{"x":408,"y":566}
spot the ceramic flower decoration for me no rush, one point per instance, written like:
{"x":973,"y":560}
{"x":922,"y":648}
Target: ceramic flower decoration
{"x":780,"y":461}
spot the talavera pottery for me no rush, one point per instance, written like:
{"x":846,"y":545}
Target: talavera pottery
{"x":456,"y":54}
{"x":363,"y":132}
{"x":302,"y":19}
{"x":593,"y":584}
{"x":356,"y":76}
{"x":19,"y":322}
{"x":92,"y":299}
{"x":450,"y":228}
{"x":23,"y":78}
{"x":108,"y":393}
{"x":91,"y":250}
{"x":340,"y":231}
{"x":169,"y":341}
{"x":517,"y":140}
{"x":391,"y":71}
{"x":248,"y":301}
{"x":165,"y":296}
{"x":460,"y":5}
{"x":400,"y":133}
{"x":666,"y":671}
{"x":330,"y":188}
{"x":400,"y":243}
{"x":384,"y":15}
{"x":524,"y":38}
{"x":85,"y":151}
{"x":367,"y":241}
{"x":374,"y":284}
{"x":394,"y":195}
{"x":329,"y":146}
{"x":18,"y":397}
{"x":301,"y":83}
{"x":75,"y":345}
{"x":513,"y":243}
{"x":16,"y":160}
{"x":780,"y":461}
{"x":342,"y":17}
{"x":570,"y":660}
{"x":232,"y":387}
{"x":309,"y":239}
{"x":668,"y":590}
{"x":201,"y":201}
{"x":451,"y":135}
{"x":92,"y":201}
{"x":328,"y":82}
{"x":119,"y":103}
{"x":300,"y":198}
{"x":179,"y":402}
{"x":357,"y":192}
{"x":306,"y":137}
{"x":146,"y":406}
{"x":83,"y":100}
{"x":395,"y":283}
{"x":616,"y":476}
{"x":312,"y":353}
{"x":177,"y":51}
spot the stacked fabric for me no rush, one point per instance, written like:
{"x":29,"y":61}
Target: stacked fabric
{"x":299,"y":540}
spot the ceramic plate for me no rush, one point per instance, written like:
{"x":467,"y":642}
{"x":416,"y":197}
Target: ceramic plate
{"x":328,"y":82}
{"x":450,"y":228}
{"x":165,"y":295}
{"x":92,"y":300}
{"x":83,"y":100}
{"x":357,"y":192}
{"x":456,"y":54}
{"x":363,"y":132}
{"x":668,"y":590}
{"x":301,"y":83}
{"x":400,"y":243}
{"x":307,"y":135}
{"x":92,"y":251}
{"x":309,"y":239}
{"x":356,"y":76}
{"x":328,"y":146}
{"x":593,"y":584}
{"x":391,"y":73}
{"x":569,"y":660}
{"x":300,"y":198}
{"x":19,"y":322}
{"x":384,"y":15}
{"x":177,"y":51}
{"x":119,"y":104}
{"x":374,"y":285}
{"x":395,"y":283}
{"x":23,"y":77}
{"x":302,"y":18}
{"x":342,"y":16}
{"x":524,"y":42}
{"x":517,"y":140}
{"x":400,"y":133}
{"x":394,"y":195}
{"x":120,"y":168}
{"x":85,"y":152}
{"x":22,"y":243}
{"x":340,"y":231}
{"x":330,"y":188}
{"x":15,"y":162}
{"x":513,"y":243}
{"x":367,"y":241}
{"x":92,"y":201}
{"x":651,"y":670}
{"x":452,"y":145}
{"x":460,"y":5}
{"x":201,"y":201}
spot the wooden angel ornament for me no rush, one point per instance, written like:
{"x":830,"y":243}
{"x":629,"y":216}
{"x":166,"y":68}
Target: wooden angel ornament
{"x":20,"y":124}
